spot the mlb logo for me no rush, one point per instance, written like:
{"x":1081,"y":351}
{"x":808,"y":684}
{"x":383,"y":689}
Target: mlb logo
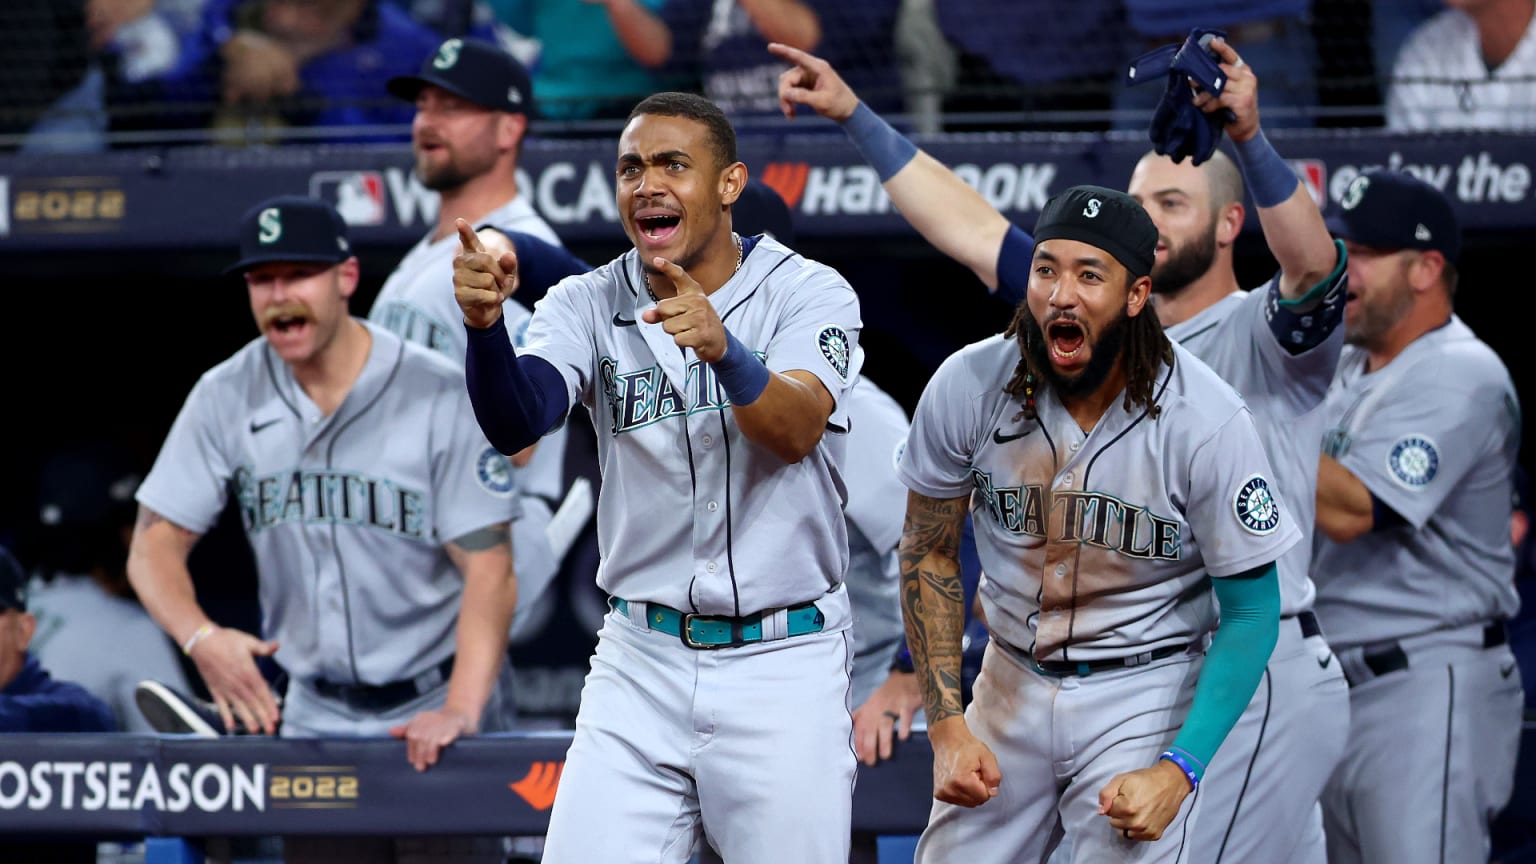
{"x":1313,"y":174}
{"x":357,"y":195}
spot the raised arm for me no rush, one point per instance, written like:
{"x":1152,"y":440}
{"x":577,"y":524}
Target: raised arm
{"x":485,"y":617}
{"x":1292,"y":221}
{"x":157,"y":569}
{"x":934,"y":200}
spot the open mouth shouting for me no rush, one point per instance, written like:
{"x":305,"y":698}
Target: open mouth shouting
{"x":1068,"y":343}
{"x":657,"y":226}
{"x":286,"y":324}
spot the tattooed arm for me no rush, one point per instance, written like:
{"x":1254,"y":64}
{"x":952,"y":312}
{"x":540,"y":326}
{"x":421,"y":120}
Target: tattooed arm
{"x":157,"y":568}
{"x":933,"y":605}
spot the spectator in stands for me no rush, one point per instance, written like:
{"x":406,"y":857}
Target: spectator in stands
{"x":725,"y":45}
{"x":1473,"y":66}
{"x":581,"y":70}
{"x":1037,"y":86}
{"x":91,"y":628}
{"x":1391,"y":25}
{"x":44,"y":91}
{"x":1276,"y":36}
{"x":297,"y":64}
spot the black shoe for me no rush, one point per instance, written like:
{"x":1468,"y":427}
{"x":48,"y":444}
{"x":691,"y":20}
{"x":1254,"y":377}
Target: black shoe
{"x":171,"y":711}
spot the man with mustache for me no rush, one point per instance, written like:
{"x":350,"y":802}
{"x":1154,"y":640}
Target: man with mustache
{"x":375,"y":509}
{"x":716,"y":369}
{"x":1277,"y":346}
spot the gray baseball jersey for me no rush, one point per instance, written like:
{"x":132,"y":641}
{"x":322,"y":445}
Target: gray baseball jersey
{"x":877,"y":506}
{"x":690,"y":513}
{"x":1434,"y":436}
{"x":1095,"y":545}
{"x":1282,"y":390}
{"x":73,"y":613}
{"x":346,"y":514}
{"x":417,"y":304}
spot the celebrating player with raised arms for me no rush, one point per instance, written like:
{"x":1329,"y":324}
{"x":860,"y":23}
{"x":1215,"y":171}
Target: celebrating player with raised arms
{"x":715,"y":368}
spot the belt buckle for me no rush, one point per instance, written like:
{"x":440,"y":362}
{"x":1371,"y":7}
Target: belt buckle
{"x":686,"y":632}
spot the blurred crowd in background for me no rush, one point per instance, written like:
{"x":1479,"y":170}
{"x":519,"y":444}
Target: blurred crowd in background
{"x":89,"y":75}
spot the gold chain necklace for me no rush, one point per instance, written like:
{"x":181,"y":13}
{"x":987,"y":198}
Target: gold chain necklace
{"x":647,"y":276}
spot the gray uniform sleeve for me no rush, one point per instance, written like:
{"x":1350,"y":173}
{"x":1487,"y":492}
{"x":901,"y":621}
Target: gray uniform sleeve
{"x":1420,"y":442}
{"x":945,"y":433}
{"x":188,"y":484}
{"x":561,"y":331}
{"x":819,"y":334}
{"x":1232,"y":508}
{"x":473,"y":484}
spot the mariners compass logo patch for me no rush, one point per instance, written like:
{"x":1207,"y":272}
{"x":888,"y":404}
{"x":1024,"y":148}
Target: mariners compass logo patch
{"x":833,"y":342}
{"x":1414,"y":461}
{"x":1256,"y":507}
{"x":494,"y":471}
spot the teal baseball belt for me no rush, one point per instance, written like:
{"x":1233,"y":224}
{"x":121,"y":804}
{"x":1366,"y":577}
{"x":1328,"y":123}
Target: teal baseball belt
{"x":709,"y":632}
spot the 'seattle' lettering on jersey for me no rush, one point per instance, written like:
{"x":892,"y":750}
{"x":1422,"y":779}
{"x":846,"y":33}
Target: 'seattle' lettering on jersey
{"x":1096,"y":544}
{"x":347,"y":514}
{"x":691,"y":514}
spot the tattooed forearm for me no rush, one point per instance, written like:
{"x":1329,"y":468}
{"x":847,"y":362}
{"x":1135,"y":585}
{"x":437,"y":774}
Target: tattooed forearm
{"x":933,"y":599}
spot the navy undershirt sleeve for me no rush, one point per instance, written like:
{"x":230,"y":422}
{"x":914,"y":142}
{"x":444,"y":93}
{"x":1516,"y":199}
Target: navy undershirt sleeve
{"x":516,"y":399}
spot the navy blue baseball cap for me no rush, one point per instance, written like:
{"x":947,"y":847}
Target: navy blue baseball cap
{"x":483,"y":73}
{"x":1106,"y":218}
{"x":13,"y":583}
{"x":291,"y":228}
{"x":1395,"y":210}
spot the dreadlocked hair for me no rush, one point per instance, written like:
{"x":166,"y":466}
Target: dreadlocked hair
{"x":1145,"y":349}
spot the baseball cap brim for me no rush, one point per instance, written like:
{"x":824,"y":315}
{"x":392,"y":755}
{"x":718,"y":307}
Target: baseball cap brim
{"x":245,"y":264}
{"x":408,"y":87}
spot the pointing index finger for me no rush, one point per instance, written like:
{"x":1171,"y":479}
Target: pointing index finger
{"x":790,"y":53}
{"x":467,"y":237}
{"x":684,"y":283}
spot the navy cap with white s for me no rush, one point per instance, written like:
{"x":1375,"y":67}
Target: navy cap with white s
{"x":291,"y":228}
{"x":483,"y":73}
{"x":1394,"y":210}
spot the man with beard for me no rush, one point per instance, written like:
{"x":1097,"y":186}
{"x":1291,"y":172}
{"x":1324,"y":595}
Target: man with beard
{"x":1118,"y":486}
{"x":716,"y":368}
{"x":1415,"y":571}
{"x":376,"y":511}
{"x":1277,"y":346}
{"x":473,"y":101}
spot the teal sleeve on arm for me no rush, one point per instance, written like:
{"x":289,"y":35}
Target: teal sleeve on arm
{"x":1234,"y":665}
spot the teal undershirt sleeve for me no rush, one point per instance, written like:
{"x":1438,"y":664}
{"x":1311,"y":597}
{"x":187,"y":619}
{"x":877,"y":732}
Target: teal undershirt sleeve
{"x":1234,"y":665}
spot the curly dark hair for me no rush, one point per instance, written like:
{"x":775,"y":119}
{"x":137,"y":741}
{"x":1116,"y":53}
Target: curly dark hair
{"x":1145,"y":349}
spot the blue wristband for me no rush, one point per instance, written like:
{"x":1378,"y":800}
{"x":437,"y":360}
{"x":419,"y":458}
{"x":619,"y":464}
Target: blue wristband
{"x":1186,"y":764}
{"x":1269,"y":177}
{"x":886,"y":150}
{"x":741,"y":374}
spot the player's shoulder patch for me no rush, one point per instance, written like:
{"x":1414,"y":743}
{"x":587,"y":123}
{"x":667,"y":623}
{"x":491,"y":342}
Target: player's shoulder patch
{"x":1414,"y":460}
{"x":494,"y":471}
{"x":833,"y":342}
{"x":1256,"y":508}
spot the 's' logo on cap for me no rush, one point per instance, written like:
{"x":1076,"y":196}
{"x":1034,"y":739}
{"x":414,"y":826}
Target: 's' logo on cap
{"x":1354,"y":193}
{"x":513,"y":96}
{"x":448,"y":54}
{"x":1421,"y":234}
{"x":1092,"y":210}
{"x":270,"y":221}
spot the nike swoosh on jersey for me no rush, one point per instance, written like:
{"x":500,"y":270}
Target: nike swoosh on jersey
{"x":1325,"y":661}
{"x":1507,"y":670}
{"x":999,"y":437}
{"x":257,"y":427}
{"x":622,"y":322}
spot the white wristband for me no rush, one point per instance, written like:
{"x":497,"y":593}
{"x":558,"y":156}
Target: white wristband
{"x":197,"y":636}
